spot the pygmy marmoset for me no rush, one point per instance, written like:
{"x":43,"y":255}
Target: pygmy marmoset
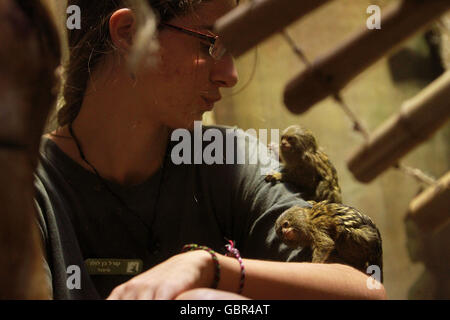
{"x":306,"y":166}
{"x":334,"y":233}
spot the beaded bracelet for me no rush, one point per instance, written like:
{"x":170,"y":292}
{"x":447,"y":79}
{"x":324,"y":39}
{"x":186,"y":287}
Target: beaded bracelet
{"x":234,"y":252}
{"x":192,"y":247}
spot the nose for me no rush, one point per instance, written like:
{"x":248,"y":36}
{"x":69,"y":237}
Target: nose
{"x":224,"y":73}
{"x":284,"y":143}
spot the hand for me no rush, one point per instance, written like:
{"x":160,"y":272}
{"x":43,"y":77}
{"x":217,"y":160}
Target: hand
{"x":180,"y":273}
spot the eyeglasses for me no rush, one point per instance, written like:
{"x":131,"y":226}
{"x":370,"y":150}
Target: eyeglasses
{"x":216,"y":48}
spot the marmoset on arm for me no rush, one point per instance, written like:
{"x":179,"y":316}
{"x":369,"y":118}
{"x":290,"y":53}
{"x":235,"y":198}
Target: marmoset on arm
{"x":334,"y":232}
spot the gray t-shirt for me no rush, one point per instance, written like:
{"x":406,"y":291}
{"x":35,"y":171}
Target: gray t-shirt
{"x":82,"y":220}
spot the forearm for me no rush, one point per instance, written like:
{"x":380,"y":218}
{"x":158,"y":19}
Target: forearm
{"x":282,"y":280}
{"x":188,"y":275}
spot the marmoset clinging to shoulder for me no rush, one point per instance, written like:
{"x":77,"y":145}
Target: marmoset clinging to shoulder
{"x":334,"y":233}
{"x":306,"y":166}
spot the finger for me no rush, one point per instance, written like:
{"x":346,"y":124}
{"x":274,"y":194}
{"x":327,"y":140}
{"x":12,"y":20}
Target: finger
{"x":167,"y":292}
{"x":123,"y":292}
{"x":115,"y":294}
{"x":147,"y":295}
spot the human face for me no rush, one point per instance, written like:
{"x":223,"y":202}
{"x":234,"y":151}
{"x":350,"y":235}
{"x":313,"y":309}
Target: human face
{"x":187,"y":80}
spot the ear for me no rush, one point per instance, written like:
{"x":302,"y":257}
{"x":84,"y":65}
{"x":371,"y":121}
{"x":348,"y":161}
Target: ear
{"x":122,"y":28}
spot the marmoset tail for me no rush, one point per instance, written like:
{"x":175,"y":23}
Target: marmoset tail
{"x":306,"y":166}
{"x":334,"y":233}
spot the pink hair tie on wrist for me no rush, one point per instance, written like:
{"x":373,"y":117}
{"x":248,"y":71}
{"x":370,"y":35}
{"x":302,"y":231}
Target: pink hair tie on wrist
{"x":234,"y":252}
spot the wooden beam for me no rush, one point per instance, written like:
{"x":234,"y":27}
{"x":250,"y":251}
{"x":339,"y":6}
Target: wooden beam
{"x":27,"y":63}
{"x":333,"y":71}
{"x":430,"y":210}
{"x":418,"y":119}
{"x":252,"y":22}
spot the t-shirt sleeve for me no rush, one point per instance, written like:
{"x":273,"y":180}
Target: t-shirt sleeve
{"x":257,"y":203}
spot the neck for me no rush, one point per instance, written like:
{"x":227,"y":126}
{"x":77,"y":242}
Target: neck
{"x":127,"y":155}
{"x":123,"y":147}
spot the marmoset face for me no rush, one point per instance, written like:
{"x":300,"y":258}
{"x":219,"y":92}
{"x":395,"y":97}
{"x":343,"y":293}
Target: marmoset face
{"x":289,"y":227}
{"x":295,"y":141}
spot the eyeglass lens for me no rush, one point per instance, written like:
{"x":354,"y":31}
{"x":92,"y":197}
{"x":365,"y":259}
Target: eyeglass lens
{"x":217,"y":50}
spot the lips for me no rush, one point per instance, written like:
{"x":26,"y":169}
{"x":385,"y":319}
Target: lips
{"x":210,"y":101}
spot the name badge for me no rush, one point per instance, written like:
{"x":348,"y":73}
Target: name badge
{"x":110,"y":267}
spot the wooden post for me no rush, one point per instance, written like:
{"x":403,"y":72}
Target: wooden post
{"x":22,"y":274}
{"x":332,"y":72}
{"x":418,"y":119}
{"x":29,"y":57}
{"x":252,"y":22}
{"x":430,"y":210}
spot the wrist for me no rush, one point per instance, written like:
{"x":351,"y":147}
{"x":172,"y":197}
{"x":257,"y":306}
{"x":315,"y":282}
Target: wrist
{"x":234,"y":252}
{"x":215,"y":270}
{"x":208,"y":269}
{"x":230,"y":274}
{"x":208,"y":265}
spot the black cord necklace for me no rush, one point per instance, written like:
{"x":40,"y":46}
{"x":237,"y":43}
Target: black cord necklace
{"x":115,"y":195}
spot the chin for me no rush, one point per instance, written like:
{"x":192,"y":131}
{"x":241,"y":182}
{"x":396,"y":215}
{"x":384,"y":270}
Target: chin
{"x":195,"y":117}
{"x":187,"y":124}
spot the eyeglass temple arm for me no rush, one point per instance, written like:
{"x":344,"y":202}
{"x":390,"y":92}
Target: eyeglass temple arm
{"x":206,"y":37}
